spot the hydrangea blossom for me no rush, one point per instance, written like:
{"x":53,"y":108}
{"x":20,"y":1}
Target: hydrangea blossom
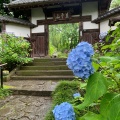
{"x":103,"y":35}
{"x":76,"y":95}
{"x":64,"y":111}
{"x":79,"y":60}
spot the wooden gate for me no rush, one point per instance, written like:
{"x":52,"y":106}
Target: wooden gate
{"x":39,"y":45}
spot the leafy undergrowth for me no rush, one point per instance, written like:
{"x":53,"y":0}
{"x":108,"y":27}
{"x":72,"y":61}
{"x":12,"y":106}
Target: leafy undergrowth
{"x":63,"y":92}
{"x":4,"y":92}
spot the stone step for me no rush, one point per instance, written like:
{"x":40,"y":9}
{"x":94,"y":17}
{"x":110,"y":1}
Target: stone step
{"x":49,"y":59}
{"x":44,"y":72}
{"x":58,"y":67}
{"x":49,"y":63}
{"x":32,"y":87}
{"x":42,"y":77}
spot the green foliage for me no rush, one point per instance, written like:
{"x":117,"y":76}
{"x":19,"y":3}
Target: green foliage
{"x":114,"y":4}
{"x":63,"y":92}
{"x":110,"y":106}
{"x":93,"y":89}
{"x":14,"y":50}
{"x":52,"y":49}
{"x":103,"y":87}
{"x":91,"y":116}
{"x":64,"y":36}
{"x":4,"y":93}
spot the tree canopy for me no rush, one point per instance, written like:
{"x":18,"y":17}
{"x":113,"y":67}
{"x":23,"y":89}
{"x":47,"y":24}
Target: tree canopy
{"x":3,"y":9}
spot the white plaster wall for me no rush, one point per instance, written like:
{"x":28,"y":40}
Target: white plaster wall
{"x":37,"y":14}
{"x":90,"y":8}
{"x":104,"y":26}
{"x":38,"y":29}
{"x":18,"y":30}
{"x":89,"y":25}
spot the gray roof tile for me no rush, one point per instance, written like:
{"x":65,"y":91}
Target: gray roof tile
{"x":16,"y":20}
{"x":107,"y":14}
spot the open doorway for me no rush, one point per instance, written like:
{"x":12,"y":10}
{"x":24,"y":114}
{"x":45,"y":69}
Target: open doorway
{"x":62,"y":38}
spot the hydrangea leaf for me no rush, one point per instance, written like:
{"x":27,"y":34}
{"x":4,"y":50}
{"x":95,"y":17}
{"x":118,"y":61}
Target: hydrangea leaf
{"x":107,"y":59}
{"x":95,"y":66}
{"x":96,"y":87}
{"x":91,"y":116}
{"x":118,"y":76}
{"x":110,"y":106}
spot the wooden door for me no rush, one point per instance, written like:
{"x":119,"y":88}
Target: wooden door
{"x":39,"y":46}
{"x":91,"y":37}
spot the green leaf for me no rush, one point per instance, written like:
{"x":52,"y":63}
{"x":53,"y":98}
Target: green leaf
{"x":91,"y":116}
{"x":110,"y":106}
{"x":107,"y":59}
{"x":118,"y":76}
{"x":96,"y":87}
{"x":105,"y":47}
{"x":95,"y":66}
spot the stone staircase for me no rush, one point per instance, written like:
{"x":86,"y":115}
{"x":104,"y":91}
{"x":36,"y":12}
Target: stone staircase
{"x":40,"y":76}
{"x":32,"y":85}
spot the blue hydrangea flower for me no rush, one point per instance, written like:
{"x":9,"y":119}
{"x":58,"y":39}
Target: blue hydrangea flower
{"x":64,"y":111}
{"x":103,"y":35}
{"x":76,"y":95}
{"x":79,"y":60}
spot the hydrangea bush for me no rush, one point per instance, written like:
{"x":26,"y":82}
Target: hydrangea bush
{"x":64,"y":111}
{"x":102,"y":93}
{"x":79,"y":60}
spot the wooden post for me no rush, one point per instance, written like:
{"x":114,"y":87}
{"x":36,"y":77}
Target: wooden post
{"x":1,"y":73}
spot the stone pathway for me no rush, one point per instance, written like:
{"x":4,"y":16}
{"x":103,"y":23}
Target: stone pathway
{"x":32,"y":86}
{"x":20,"y":107}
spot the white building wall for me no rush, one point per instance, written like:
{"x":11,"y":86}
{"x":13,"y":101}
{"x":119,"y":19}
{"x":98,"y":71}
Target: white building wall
{"x":90,"y":8}
{"x":18,"y":30}
{"x":37,"y":14}
{"x":104,"y":27}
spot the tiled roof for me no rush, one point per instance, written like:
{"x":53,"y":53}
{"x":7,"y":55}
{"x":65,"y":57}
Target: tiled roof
{"x":16,"y":20}
{"x":25,"y":3}
{"x":107,"y":14}
{"x":113,"y":20}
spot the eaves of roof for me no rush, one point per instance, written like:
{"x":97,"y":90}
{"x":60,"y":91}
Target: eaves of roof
{"x":16,"y":20}
{"x":107,"y":14}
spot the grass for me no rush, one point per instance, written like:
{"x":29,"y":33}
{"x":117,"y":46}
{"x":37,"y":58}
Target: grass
{"x":63,"y":92}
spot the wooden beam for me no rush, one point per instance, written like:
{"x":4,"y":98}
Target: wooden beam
{"x":91,"y":30}
{"x":38,"y":34}
{"x":72,"y":20}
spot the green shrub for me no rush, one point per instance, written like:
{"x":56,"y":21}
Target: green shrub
{"x":14,"y":50}
{"x":63,"y":92}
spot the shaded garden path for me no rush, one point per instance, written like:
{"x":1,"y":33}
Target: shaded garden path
{"x":32,"y":86}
